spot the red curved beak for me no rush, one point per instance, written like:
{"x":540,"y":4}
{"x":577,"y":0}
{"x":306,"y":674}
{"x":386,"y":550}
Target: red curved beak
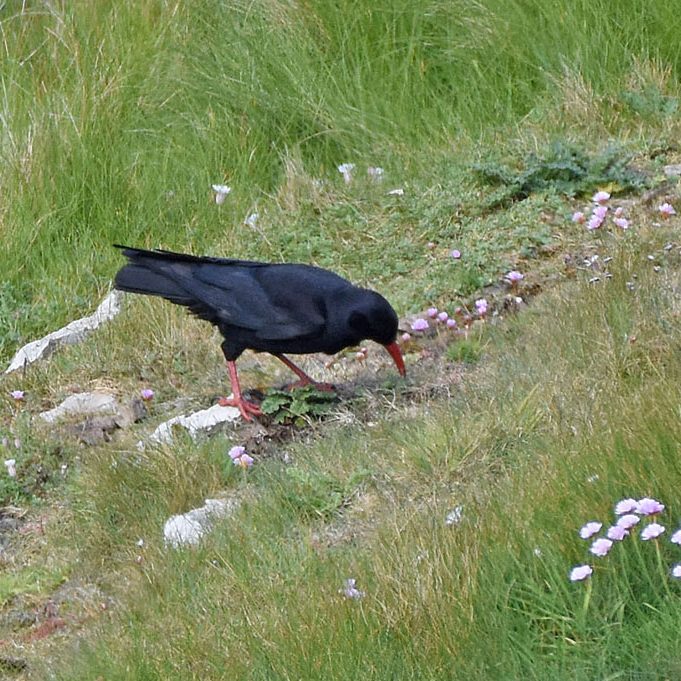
{"x":395,"y":352}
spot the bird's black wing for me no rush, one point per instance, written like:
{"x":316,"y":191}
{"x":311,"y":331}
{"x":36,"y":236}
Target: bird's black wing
{"x":270,"y":301}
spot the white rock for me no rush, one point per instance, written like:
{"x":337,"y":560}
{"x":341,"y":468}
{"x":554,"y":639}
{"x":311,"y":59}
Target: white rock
{"x":82,"y":404}
{"x":73,"y":332}
{"x":196,"y":423}
{"x":188,"y":528}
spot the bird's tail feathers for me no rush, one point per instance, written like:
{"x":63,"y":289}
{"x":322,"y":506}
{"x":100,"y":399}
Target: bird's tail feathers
{"x":139,"y":279}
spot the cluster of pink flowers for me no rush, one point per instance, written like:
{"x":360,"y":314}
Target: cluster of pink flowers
{"x":239,"y":457}
{"x":442,"y":317}
{"x":629,"y":513}
{"x":599,"y":213}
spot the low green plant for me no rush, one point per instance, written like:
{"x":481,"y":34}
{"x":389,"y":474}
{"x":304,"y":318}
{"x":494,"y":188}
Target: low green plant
{"x":298,"y":405}
{"x":563,"y":168}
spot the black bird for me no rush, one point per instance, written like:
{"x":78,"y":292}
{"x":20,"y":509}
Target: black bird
{"x":267,"y":307}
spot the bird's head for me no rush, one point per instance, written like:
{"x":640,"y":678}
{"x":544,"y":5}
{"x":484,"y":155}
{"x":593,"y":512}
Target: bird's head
{"x":374,"y":319}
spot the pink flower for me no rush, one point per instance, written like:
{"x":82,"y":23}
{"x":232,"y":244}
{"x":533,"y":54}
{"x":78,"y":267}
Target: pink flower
{"x":419,"y":325}
{"x":600,"y":212}
{"x":579,"y":217}
{"x":237,"y":452}
{"x":619,"y":212}
{"x":432,"y":312}
{"x":676,"y":537}
{"x":666,"y":210}
{"x":580,"y":573}
{"x":442,"y":317}
{"x":601,"y":197}
{"x":17,"y":395}
{"x":628,"y":521}
{"x":594,"y":222}
{"x":11,"y":465}
{"x":244,"y":461}
{"x":625,"y":506}
{"x":239,"y":457}
{"x":345,"y":169}
{"x":652,"y":531}
{"x":648,"y":506}
{"x":430,"y":245}
{"x":601,"y":547}
{"x":676,"y":571}
{"x":622,"y":223}
{"x":481,"y":306}
{"x":514,"y":276}
{"x":617,"y":533}
{"x":451,"y":323}
{"x":405,"y":337}
{"x":590,"y":529}
{"x":350,"y":590}
{"x":221,"y":191}
{"x":456,"y":254}
{"x":147,"y":394}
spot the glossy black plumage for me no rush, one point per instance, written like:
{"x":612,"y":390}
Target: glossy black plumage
{"x":275,"y":308}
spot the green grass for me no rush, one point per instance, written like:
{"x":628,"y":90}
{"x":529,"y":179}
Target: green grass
{"x":116,"y":119}
{"x":121,"y":117}
{"x":531,"y":449}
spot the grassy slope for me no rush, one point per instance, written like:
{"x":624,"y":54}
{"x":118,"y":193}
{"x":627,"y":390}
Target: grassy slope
{"x":120,"y":119}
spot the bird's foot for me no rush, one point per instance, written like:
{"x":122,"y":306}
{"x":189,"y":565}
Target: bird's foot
{"x":303,"y":382}
{"x":247,"y":409}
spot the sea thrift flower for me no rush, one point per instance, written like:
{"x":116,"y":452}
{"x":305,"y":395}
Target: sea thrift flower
{"x":481,"y":306}
{"x":345,"y":169}
{"x":648,"y":506}
{"x":579,"y":217}
{"x":628,"y":521}
{"x":601,"y":547}
{"x":652,"y":531}
{"x":590,"y":529}
{"x":252,"y":220}
{"x":147,"y":394}
{"x":239,"y":457}
{"x":419,"y":325}
{"x":514,"y":276}
{"x":676,"y":537}
{"x":601,"y":197}
{"x":405,"y":337}
{"x":623,"y":223}
{"x":442,"y":317}
{"x":17,"y":395}
{"x":600,"y":212}
{"x":594,"y":222}
{"x":432,"y":312}
{"x":350,"y":590}
{"x":451,"y":323}
{"x":375,"y":174}
{"x":666,"y":210}
{"x":580,"y":572}
{"x":676,"y":571}
{"x":430,"y":245}
{"x":456,"y":254}
{"x":625,"y":506}
{"x":617,"y":533}
{"x":11,"y":467}
{"x":619,"y":212}
{"x":221,"y":191}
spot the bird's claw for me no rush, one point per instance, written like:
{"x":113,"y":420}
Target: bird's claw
{"x":247,"y":409}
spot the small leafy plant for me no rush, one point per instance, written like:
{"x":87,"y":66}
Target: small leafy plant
{"x":563,"y":168}
{"x":295,"y":406}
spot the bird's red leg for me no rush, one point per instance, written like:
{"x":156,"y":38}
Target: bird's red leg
{"x":304,"y":378}
{"x":245,"y":407}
